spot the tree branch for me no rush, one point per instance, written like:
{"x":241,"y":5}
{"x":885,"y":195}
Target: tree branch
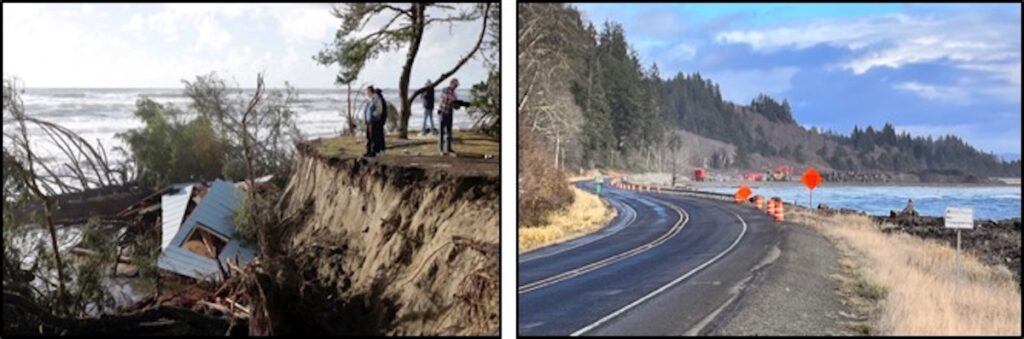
{"x":445,"y":75}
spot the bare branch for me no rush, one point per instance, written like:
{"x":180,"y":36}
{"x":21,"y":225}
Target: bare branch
{"x":444,"y":76}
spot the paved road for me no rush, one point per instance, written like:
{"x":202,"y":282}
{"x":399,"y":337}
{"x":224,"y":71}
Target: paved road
{"x":661,"y":267}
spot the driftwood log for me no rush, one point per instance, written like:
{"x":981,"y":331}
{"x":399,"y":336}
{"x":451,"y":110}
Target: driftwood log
{"x":24,"y":317}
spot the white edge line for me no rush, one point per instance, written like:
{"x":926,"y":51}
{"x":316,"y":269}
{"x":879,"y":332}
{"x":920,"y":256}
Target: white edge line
{"x":610,"y":260}
{"x":665,"y":287}
{"x":632,"y":218}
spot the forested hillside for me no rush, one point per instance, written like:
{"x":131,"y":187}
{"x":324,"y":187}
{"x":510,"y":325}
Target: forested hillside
{"x":584,"y":92}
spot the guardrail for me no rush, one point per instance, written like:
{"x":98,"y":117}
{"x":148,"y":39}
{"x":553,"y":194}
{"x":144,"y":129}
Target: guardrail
{"x":705,"y":194}
{"x":699,"y":194}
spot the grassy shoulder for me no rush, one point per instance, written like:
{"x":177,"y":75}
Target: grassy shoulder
{"x":587,"y":213}
{"x":905,"y":285}
{"x":466,"y":144}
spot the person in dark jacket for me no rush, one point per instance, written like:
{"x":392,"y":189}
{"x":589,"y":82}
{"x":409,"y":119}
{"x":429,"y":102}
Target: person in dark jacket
{"x":428,"y":109}
{"x":368,"y":116}
{"x":378,"y":131}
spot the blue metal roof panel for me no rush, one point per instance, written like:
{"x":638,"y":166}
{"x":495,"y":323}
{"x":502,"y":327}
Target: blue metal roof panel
{"x":186,"y":263}
{"x":215,"y":212}
{"x":218,"y":208}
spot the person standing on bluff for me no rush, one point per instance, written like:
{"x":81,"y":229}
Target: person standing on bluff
{"x":428,"y":109}
{"x":378,"y":132}
{"x":449,"y":103}
{"x":371,"y":114}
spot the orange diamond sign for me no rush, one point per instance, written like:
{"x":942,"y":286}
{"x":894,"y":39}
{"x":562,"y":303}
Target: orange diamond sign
{"x":744,"y":192}
{"x":811,"y":178}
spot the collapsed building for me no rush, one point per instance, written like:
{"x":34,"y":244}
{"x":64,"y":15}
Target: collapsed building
{"x":194,"y":223}
{"x":201,"y":245}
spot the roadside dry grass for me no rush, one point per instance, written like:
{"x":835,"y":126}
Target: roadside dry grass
{"x":906,"y":284}
{"x":586,"y":214}
{"x":588,"y":175}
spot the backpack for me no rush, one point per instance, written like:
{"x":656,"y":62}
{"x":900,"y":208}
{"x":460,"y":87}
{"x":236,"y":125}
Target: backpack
{"x":384,"y":109}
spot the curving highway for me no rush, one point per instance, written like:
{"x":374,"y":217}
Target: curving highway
{"x":664,"y":266}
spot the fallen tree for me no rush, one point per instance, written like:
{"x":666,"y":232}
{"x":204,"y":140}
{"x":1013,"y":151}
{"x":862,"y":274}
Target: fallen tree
{"x":23,"y":317}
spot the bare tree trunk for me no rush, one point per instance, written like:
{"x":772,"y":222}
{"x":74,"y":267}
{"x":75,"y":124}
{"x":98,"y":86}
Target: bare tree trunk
{"x":558,"y":150}
{"x":673,"y":167}
{"x":350,"y":125}
{"x":250,"y":174}
{"x":410,"y":58}
{"x":413,"y":47}
{"x":647,"y":161}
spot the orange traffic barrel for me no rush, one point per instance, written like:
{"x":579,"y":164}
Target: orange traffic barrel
{"x":779,"y":209}
{"x":759,"y":202}
{"x":771,"y":207}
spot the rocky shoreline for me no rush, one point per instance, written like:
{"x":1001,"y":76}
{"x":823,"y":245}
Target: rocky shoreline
{"x":994,"y":242}
{"x":925,"y":176}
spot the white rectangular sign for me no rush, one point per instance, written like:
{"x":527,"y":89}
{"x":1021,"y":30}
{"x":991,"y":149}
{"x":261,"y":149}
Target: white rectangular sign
{"x":959,"y":217}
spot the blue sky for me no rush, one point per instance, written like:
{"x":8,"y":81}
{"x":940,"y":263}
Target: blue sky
{"x":927,"y":68}
{"x":157,"y":45}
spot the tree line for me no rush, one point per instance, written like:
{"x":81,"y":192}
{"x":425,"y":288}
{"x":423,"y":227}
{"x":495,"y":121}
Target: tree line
{"x":886,"y":150}
{"x":584,"y":92}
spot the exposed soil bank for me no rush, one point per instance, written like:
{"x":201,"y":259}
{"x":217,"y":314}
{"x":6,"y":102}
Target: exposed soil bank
{"x":411,"y":243}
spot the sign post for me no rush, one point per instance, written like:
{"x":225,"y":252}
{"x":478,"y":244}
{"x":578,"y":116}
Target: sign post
{"x":811,"y":179}
{"x":959,"y":218}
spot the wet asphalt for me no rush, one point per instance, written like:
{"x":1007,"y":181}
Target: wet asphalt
{"x":661,"y":267}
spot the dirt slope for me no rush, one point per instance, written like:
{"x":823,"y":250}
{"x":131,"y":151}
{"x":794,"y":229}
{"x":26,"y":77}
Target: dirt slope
{"x":416,"y":245}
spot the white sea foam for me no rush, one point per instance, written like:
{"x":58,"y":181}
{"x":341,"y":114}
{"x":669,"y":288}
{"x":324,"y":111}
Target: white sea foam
{"x":100,"y":114}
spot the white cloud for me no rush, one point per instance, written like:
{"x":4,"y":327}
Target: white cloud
{"x":135,"y":25}
{"x":684,"y":51}
{"x":306,"y":23}
{"x":158,"y":45}
{"x":740,"y":86}
{"x":964,"y":91}
{"x":211,"y":35}
{"x":953,"y":94}
{"x":969,"y":41}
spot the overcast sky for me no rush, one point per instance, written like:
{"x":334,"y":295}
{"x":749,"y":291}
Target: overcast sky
{"x":929,"y":69}
{"x":157,"y":45}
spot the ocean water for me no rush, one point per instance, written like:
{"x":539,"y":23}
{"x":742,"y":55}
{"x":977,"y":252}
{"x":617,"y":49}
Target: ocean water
{"x":99,"y":114}
{"x":988,"y":202}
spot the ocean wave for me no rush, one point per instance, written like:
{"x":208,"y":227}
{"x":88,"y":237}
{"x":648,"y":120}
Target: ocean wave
{"x":99,"y":114}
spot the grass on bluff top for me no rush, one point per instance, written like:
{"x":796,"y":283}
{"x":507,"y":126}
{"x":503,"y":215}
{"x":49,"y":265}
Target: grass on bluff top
{"x":465,"y":144}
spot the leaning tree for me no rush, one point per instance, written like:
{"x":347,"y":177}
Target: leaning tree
{"x":404,"y":25}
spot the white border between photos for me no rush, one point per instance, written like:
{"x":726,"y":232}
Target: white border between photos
{"x":508,"y":170}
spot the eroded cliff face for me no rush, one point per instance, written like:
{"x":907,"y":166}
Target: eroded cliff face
{"x":415,"y":246}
